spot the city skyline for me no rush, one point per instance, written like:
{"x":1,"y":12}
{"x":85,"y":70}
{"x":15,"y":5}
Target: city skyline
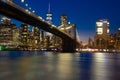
{"x":82,"y":13}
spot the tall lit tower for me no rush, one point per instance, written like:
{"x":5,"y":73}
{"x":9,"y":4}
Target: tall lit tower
{"x":49,"y":15}
{"x":102,"y":27}
{"x":102,"y":33}
{"x":49,"y":21}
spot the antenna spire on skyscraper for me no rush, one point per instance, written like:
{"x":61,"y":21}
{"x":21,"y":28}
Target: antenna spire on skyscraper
{"x":49,"y":7}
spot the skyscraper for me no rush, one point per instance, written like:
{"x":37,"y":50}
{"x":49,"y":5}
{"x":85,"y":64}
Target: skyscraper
{"x":117,"y":39}
{"x":102,"y":27}
{"x":102,"y":33}
{"x":7,"y":32}
{"x":24,"y":34}
{"x":36,"y":37}
{"x":48,"y":36}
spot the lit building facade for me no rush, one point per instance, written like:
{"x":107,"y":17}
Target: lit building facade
{"x":102,"y":34}
{"x":24,"y":35}
{"x":36,"y":37}
{"x":42,"y":39}
{"x":7,"y":30}
{"x":90,"y":43}
{"x":117,"y":39}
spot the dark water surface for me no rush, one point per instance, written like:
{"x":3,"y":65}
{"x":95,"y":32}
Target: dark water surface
{"x":18,"y":65}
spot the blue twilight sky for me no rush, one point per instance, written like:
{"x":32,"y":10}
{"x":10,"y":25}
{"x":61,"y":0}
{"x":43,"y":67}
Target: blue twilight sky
{"x":84,"y":13}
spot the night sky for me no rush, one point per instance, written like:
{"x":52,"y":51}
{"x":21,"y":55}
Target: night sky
{"x":83,"y":13}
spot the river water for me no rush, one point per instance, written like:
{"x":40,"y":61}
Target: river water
{"x":19,"y":65}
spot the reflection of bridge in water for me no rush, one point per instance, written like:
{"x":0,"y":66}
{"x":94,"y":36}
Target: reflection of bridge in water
{"x":12,"y":10}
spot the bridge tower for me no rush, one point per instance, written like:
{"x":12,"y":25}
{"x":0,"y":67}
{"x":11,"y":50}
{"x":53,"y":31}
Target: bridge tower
{"x":70,"y":45}
{"x":70,"y":29}
{"x":64,"y":22}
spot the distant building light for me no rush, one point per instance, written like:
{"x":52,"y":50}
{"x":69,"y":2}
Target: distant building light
{"x":99,"y":23}
{"x":105,"y":21}
{"x":49,"y":18}
{"x":108,"y":30}
{"x":49,"y":15}
{"x":100,"y":31}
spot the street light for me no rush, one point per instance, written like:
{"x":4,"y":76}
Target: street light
{"x":29,"y":8}
{"x":26,"y":5}
{"x":33,"y":11}
{"x":22,"y":1}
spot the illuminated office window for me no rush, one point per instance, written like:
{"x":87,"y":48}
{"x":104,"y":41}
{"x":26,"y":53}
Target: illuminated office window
{"x":99,"y":30}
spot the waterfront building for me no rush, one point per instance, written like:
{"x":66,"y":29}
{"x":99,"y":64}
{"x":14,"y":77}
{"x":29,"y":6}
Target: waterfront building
{"x":117,"y":39}
{"x":24,"y":35}
{"x":102,"y":34}
{"x":90,"y":43}
{"x":42,"y":39}
{"x":36,"y":37}
{"x":111,"y":41}
{"x":7,"y":30}
{"x":47,"y":42}
{"x":16,"y":38}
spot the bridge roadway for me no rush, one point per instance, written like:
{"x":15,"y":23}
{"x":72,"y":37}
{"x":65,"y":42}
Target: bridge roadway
{"x":12,"y":10}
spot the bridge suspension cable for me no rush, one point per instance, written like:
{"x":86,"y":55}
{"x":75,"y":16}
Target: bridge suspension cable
{"x":77,"y":36}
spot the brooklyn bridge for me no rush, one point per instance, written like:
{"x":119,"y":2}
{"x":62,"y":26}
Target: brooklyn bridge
{"x":67,"y":31}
